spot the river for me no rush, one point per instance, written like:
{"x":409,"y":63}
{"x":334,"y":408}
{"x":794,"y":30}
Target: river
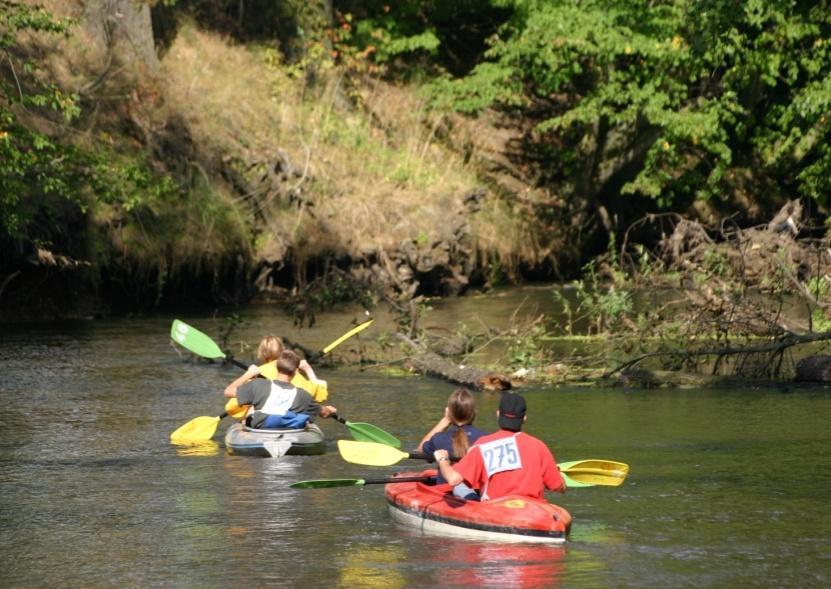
{"x":728,"y":488}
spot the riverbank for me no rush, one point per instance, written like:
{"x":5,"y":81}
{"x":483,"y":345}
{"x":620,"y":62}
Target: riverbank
{"x":147,"y":179}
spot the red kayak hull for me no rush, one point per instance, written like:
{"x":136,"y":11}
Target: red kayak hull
{"x":434,"y":510}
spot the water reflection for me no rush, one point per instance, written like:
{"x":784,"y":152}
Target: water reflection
{"x":596,"y":533}
{"x":526,"y":566}
{"x":368,"y":567}
{"x":201,"y":448}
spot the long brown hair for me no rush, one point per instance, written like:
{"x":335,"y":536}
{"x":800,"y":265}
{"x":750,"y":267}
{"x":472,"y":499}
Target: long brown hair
{"x":461,"y":409}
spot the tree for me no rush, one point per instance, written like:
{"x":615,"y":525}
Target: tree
{"x":670,"y":103}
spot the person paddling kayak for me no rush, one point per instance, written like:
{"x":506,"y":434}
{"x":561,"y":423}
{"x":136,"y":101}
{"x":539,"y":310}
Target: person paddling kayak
{"x":268,"y":351}
{"x":507,"y":462}
{"x":455,"y":433}
{"x":276,"y":403}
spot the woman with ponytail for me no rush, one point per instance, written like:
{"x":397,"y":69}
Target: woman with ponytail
{"x":455,"y":433}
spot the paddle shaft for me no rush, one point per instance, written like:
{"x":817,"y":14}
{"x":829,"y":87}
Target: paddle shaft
{"x":420,"y":456}
{"x":319,"y":354}
{"x":333,"y":483}
{"x":236,"y":362}
{"x":396,"y":480}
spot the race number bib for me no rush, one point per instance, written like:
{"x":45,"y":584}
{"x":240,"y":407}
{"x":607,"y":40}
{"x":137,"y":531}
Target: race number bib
{"x":501,"y":455}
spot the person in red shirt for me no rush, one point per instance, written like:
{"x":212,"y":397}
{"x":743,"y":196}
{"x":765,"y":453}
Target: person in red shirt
{"x":508,"y":462}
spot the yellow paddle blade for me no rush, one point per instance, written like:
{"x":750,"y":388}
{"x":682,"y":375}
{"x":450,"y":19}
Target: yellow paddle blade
{"x":370,"y":453}
{"x":596,"y":472}
{"x":201,"y":428}
{"x":347,"y":335}
{"x":234,"y":409}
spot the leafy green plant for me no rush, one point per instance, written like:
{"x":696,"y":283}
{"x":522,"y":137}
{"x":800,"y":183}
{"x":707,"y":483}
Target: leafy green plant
{"x":597,"y":308}
{"x":701,"y":92}
{"x":526,"y":350}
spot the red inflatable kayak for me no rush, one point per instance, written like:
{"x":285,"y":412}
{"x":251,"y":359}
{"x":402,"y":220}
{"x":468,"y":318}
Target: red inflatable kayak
{"x":434,"y":510}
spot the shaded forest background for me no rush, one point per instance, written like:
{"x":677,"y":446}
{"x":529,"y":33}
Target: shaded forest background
{"x":206,"y":152}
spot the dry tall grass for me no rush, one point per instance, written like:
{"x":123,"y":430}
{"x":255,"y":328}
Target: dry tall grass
{"x":375,"y":181}
{"x":369,"y":177}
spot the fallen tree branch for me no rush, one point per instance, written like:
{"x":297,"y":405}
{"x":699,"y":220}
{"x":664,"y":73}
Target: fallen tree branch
{"x":776,"y":347}
{"x":431,"y":364}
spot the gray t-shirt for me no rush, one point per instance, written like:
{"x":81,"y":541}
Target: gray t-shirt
{"x":274,"y":397}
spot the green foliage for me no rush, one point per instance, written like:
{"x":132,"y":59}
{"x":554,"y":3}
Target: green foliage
{"x":595,"y":308}
{"x":526,"y":350}
{"x":388,"y":39}
{"x":820,"y":287}
{"x":715,"y":262}
{"x":96,"y":201}
{"x":415,"y":37}
{"x":700,"y":89}
{"x":16,"y":17}
{"x":31,"y":163}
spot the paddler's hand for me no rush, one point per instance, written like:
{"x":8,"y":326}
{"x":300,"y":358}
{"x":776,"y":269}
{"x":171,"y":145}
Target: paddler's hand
{"x":327,"y":410}
{"x":446,"y":469}
{"x":445,"y":422}
{"x":307,"y":370}
{"x":441,"y":455}
{"x":252,"y":372}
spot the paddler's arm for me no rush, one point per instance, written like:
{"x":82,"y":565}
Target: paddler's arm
{"x":252,"y":372}
{"x":305,"y":403}
{"x":307,"y":370}
{"x":447,"y":471}
{"x":552,"y":478}
{"x":316,"y":410}
{"x":442,"y":425}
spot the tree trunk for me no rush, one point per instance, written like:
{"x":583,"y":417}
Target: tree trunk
{"x":429,"y":363}
{"x":124,"y":28}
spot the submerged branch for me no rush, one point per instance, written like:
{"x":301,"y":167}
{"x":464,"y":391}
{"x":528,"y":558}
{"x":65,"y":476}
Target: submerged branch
{"x":776,"y":347}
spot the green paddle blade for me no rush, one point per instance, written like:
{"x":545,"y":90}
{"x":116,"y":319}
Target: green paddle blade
{"x":370,"y":453}
{"x":194,"y":340}
{"x":366,"y":432}
{"x":596,"y":472}
{"x":198,"y":429}
{"x":326,"y":483}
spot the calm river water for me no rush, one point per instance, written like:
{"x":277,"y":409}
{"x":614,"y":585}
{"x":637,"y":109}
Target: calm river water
{"x":728,"y":488}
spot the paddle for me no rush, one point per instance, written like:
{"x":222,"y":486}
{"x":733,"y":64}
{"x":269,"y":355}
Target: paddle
{"x":197,"y":429}
{"x":200,"y":344}
{"x":204,"y":427}
{"x":596,"y":472}
{"x":578,"y":472}
{"x":326,"y":483}
{"x":367,"y":433}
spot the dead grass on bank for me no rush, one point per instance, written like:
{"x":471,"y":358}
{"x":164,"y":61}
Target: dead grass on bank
{"x":372,"y":176}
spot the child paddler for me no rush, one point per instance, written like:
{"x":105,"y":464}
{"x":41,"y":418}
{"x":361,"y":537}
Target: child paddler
{"x":278,"y":403}
{"x":305,"y":378}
